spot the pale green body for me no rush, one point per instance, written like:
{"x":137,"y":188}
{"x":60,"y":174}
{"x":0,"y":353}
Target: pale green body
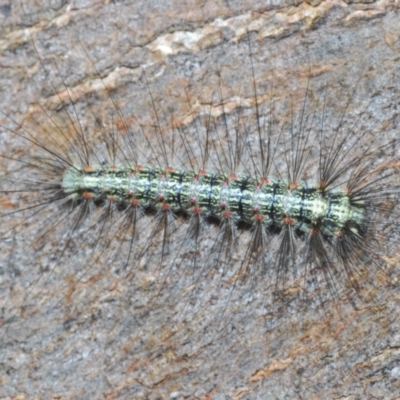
{"x":242,"y":198}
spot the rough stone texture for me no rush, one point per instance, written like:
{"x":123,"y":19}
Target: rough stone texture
{"x":96,"y":342}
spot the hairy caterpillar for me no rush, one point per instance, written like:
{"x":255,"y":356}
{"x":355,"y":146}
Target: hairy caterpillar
{"x":98,"y":262}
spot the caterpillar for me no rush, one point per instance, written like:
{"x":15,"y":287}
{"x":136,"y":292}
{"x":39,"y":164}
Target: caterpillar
{"x":162,"y":283}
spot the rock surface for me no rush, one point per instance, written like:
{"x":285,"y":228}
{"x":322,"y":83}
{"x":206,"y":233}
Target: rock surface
{"x":188,"y":54}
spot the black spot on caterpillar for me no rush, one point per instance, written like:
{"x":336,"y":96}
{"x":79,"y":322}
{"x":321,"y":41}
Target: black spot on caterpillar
{"x":133,"y":302}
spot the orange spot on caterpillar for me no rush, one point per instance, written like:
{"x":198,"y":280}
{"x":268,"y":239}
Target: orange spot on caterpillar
{"x":227,"y":214}
{"x":322,"y":185}
{"x":288,"y":221}
{"x":315,"y":231}
{"x":232,"y":176}
{"x":259,"y":217}
{"x":165,"y":206}
{"x":87,"y":195}
{"x":88,"y":168}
